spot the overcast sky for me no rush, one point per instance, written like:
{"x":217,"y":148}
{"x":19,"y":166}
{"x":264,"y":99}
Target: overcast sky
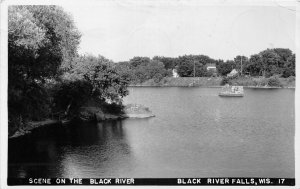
{"x":120,"y":31}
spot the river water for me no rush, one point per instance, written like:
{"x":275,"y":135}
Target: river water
{"x":195,"y":133}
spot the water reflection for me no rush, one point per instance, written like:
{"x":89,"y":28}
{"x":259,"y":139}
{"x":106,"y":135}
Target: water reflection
{"x":87,"y":148}
{"x":95,"y":149}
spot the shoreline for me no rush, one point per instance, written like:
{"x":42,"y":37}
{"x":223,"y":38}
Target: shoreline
{"x":219,"y":86}
{"x":32,"y":125}
{"x":218,"y":82}
{"x":89,"y":114}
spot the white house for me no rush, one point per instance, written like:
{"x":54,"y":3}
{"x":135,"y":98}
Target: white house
{"x":211,"y":66}
{"x":174,"y":73}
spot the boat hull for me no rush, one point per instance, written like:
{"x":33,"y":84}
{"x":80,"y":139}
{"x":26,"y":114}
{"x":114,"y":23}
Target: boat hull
{"x":230,"y":95}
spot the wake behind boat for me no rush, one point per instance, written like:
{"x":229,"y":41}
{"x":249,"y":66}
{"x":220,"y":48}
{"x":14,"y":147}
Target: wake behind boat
{"x":232,"y":91}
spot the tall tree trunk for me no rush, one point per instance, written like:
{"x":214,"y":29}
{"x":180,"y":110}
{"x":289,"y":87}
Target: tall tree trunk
{"x":68,"y":107}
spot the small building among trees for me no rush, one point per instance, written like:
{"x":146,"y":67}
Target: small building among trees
{"x":232,"y":73}
{"x":211,"y":67}
{"x":174,"y":73}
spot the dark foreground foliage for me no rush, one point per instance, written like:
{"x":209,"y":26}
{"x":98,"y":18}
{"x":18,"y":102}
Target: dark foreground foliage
{"x":41,"y":40}
{"x":45,"y":74}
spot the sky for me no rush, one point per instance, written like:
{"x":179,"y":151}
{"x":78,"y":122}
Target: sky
{"x":120,"y":30}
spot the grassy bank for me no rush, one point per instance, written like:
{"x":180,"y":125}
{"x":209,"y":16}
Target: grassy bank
{"x":219,"y":81}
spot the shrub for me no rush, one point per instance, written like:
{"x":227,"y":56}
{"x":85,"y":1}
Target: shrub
{"x":68,"y":95}
{"x":261,"y":81}
{"x":291,"y":78}
{"x":274,"y":82}
{"x":244,"y":81}
{"x":112,"y":108}
{"x":287,"y":73}
{"x":226,"y":80}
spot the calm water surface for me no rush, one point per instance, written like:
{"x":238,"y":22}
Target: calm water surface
{"x":195,"y":133}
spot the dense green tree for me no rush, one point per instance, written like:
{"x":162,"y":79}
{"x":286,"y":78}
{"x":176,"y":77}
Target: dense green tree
{"x":187,"y":64}
{"x":241,"y":62}
{"x":289,"y":67}
{"x":168,"y":62}
{"x":137,"y":61}
{"x":140,"y":69}
{"x":39,"y":40}
{"x":219,"y":61}
{"x":25,"y":38}
{"x":40,"y":37}
{"x":153,"y":70}
{"x":255,"y":66}
{"x":286,"y":62}
{"x":101,"y":73}
{"x":284,"y":55}
{"x":70,"y":95}
{"x":125,"y":71}
{"x":270,"y":62}
{"x":225,"y":68}
{"x":60,"y":30}
{"x":203,"y":59}
{"x":23,"y":31}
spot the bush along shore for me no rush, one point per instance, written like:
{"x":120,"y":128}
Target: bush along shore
{"x":246,"y":81}
{"x":89,"y":113}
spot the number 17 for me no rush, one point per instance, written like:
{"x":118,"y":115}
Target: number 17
{"x":281,"y":181}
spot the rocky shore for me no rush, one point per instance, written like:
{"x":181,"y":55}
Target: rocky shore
{"x":90,"y":113}
{"x":129,"y":111}
{"x":33,"y":125}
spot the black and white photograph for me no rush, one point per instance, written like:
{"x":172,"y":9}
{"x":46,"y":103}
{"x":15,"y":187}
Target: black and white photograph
{"x":151,"y":92}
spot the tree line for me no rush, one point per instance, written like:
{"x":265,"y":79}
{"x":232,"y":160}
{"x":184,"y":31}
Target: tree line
{"x":267,"y":63}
